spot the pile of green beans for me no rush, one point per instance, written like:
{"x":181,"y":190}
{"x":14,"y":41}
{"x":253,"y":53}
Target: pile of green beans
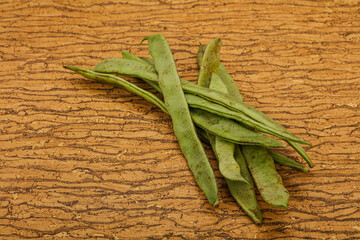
{"x":213,"y":111}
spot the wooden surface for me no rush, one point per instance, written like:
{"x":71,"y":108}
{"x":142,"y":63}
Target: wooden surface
{"x":82,"y":160}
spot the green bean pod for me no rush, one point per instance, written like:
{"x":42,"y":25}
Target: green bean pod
{"x":223,"y":149}
{"x":283,"y":160}
{"x":177,"y":107}
{"x":210,"y":63}
{"x":231,"y":130}
{"x":201,"y":103}
{"x":267,"y":180}
{"x":127,"y":67}
{"x":302,"y":152}
{"x":243,"y":192}
{"x":232,"y":89}
{"x":119,"y":82}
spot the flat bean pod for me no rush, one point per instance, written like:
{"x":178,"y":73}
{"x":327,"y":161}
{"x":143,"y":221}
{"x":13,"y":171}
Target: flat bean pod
{"x":119,"y":82}
{"x":244,"y":192}
{"x":230,"y":130}
{"x":210,"y":63}
{"x":177,"y":107}
{"x":283,"y":160}
{"x":301,"y":151}
{"x":202,"y":103}
{"x":223,"y":74}
{"x":127,"y":67}
{"x":224,"y":150}
{"x":267,"y":180}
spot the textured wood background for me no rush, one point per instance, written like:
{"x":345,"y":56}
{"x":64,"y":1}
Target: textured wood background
{"x":82,"y":160}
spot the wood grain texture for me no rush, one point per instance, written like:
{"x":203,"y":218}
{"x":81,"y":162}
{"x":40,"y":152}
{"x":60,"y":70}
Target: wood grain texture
{"x":82,"y":160}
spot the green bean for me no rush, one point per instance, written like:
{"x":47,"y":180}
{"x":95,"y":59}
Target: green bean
{"x":130,"y":56}
{"x":200,"y":55}
{"x":210,"y":63}
{"x":302,"y":152}
{"x":246,"y":112}
{"x":223,"y":74}
{"x":267,"y":180}
{"x":283,"y":160}
{"x":226,"y":128}
{"x":228,"y":166}
{"x":201,"y":103}
{"x":243,"y":192}
{"x":119,"y":82}
{"x":230,"y":130}
{"x":224,"y":150}
{"x":225,"y":102}
{"x":127,"y":67}
{"x":177,"y":107}
{"x":217,"y":83}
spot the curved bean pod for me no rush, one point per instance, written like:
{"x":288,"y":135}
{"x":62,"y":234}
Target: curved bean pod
{"x":119,"y":82}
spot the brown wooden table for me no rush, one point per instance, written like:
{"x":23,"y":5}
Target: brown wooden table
{"x":82,"y":160}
